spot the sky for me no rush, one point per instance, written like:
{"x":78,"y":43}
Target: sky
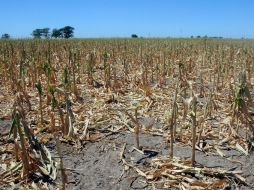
{"x":121,"y":18}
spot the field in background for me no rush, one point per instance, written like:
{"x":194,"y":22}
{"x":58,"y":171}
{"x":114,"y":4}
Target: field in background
{"x":158,"y":107}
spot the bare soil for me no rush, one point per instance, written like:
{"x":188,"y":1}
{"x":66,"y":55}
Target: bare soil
{"x":97,"y":165}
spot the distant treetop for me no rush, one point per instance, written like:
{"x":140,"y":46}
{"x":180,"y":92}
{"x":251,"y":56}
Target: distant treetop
{"x":5,"y":36}
{"x":65,"y":32}
{"x":134,"y":36}
{"x":39,"y":33}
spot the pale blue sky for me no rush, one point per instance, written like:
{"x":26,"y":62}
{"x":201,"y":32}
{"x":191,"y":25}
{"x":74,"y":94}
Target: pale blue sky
{"x":121,"y":18}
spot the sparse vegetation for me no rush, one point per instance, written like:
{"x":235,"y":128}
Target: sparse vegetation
{"x":197,"y":93}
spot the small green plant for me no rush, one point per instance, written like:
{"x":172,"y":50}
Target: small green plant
{"x":55,"y":104}
{"x":242,"y":100}
{"x":66,"y":78}
{"x":74,"y":70}
{"x":69,"y":115}
{"x":107,"y":70}
{"x":17,"y":131}
{"x":35,"y":157}
{"x":90,"y":66}
{"x":47,"y":71}
{"x":40,"y":92}
{"x":172,"y":122}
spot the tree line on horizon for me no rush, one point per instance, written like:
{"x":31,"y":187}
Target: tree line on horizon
{"x":65,"y":32}
{"x":68,"y":32}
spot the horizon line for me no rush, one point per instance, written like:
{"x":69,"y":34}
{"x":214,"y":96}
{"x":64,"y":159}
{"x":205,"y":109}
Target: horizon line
{"x":139,"y":37}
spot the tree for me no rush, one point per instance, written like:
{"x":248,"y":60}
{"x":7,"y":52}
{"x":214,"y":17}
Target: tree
{"x":67,"y":31}
{"x":45,"y":32}
{"x":56,"y":33}
{"x":5,"y":36}
{"x":39,"y":33}
{"x":134,"y":36}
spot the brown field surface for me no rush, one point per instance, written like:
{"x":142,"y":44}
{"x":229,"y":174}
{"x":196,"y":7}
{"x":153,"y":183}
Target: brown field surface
{"x":127,"y":114}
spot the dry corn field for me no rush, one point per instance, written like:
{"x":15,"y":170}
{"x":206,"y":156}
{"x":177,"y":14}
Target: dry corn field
{"x":127,"y":114}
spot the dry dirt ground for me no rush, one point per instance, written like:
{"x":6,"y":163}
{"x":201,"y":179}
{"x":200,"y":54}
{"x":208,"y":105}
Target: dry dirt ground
{"x":97,"y":165}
